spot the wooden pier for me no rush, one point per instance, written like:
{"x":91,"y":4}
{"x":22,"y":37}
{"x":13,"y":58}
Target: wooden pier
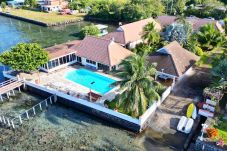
{"x":8,"y":86}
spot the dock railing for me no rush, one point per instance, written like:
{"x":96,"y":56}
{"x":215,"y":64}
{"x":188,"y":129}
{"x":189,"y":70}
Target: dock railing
{"x":15,"y":122}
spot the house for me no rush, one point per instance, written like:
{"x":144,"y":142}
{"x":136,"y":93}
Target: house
{"x":53,"y":5}
{"x":60,"y":56}
{"x":173,"y":61}
{"x":196,"y":22}
{"x":95,"y":53}
{"x":129,"y":35}
{"x":100,"y":53}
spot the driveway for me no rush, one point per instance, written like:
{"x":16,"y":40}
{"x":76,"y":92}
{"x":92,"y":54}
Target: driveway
{"x":162,"y":127}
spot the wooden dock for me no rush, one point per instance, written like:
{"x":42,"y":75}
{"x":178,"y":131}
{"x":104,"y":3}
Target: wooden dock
{"x":7,"y":86}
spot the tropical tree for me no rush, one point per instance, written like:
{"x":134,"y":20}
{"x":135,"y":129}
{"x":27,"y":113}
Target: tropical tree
{"x":225,"y":21}
{"x":137,"y":81}
{"x":179,"y":32}
{"x":31,"y":3}
{"x":141,"y":49}
{"x":25,"y":57}
{"x":3,"y":5}
{"x":220,"y":73}
{"x":150,"y":35}
{"x":90,"y":30}
{"x":209,"y":38}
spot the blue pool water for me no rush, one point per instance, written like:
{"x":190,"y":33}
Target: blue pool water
{"x":101,"y":84}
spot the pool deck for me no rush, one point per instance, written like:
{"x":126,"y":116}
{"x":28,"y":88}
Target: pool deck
{"x":56,"y":80}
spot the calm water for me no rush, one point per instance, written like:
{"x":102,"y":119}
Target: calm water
{"x":84,"y":77}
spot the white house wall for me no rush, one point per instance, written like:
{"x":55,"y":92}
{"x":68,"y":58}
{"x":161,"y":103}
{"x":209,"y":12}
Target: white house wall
{"x":83,"y":61}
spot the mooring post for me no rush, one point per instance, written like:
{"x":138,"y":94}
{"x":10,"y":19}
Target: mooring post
{"x":40,"y":106}
{"x":12,"y":124}
{"x":20,"y":119}
{"x":0,"y":119}
{"x":33,"y":110}
{"x":27,"y":114}
{"x":4,"y":120}
{"x":19,"y":89}
{"x":50,"y":100}
{"x":8,"y":122}
{"x":7,"y":94}
{"x":1,"y":98}
{"x":13,"y":92}
{"x":55,"y":98}
{"x":46,"y":103}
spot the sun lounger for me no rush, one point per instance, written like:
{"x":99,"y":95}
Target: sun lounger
{"x":208,"y":107}
{"x":182,"y":123}
{"x":188,"y":126}
{"x":206,"y":113}
{"x":213,"y":103}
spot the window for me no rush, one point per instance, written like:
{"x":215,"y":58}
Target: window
{"x":90,"y":61}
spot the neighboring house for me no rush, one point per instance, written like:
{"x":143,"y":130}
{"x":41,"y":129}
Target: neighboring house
{"x":15,"y":3}
{"x":173,"y":61}
{"x":196,"y":22}
{"x":53,"y":5}
{"x":92,"y":52}
{"x":129,"y":35}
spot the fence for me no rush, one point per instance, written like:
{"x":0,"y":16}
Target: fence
{"x":25,"y":116}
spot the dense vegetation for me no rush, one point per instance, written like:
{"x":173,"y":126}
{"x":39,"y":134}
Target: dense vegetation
{"x":131,"y":10}
{"x":25,"y":57}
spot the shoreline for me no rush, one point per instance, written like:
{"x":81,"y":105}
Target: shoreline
{"x":39,"y":22}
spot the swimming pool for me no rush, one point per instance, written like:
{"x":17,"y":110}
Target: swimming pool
{"x":91,"y":80}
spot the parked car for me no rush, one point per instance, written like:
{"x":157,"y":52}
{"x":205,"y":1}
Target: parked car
{"x":65,"y":11}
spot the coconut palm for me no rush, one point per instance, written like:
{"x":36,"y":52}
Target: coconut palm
{"x":137,"y":81}
{"x":209,"y":38}
{"x":150,"y":35}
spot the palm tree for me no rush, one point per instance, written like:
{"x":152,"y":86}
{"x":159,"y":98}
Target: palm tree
{"x":150,"y":35}
{"x":209,"y":38}
{"x":137,"y":81}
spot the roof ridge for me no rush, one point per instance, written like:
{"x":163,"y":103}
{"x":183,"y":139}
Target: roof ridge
{"x":174,"y":65}
{"x":137,"y":21}
{"x":101,"y":38}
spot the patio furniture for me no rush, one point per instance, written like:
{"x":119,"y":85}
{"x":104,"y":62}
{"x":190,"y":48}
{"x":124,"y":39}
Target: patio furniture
{"x":94,"y":97}
{"x":185,"y":124}
{"x":182,"y":123}
{"x":189,"y":126}
{"x":206,"y":113}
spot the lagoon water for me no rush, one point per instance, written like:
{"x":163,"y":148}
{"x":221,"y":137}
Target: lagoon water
{"x":61,"y":128}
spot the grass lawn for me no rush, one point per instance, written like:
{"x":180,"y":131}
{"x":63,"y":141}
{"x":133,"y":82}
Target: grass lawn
{"x":48,"y":18}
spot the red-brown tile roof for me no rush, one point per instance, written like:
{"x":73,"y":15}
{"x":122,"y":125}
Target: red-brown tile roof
{"x":102,"y":50}
{"x":131,"y":32}
{"x":166,"y":20}
{"x":118,"y":37}
{"x":196,"y":22}
{"x":174,"y":59}
{"x":62,"y":49}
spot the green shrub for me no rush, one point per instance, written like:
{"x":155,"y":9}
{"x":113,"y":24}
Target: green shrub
{"x":90,"y":30}
{"x":3,"y":5}
{"x":198,"y":51}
